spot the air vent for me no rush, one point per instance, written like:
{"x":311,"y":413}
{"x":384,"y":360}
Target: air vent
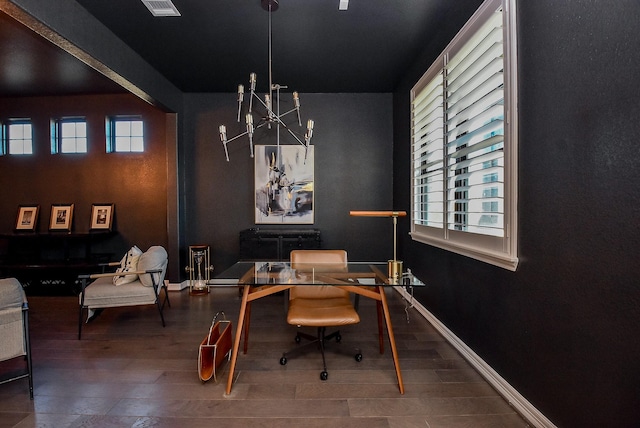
{"x":161,"y":7}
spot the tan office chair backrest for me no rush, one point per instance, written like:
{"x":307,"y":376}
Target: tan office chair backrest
{"x":307,"y":261}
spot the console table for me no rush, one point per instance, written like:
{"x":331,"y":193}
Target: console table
{"x":276,"y":244}
{"x":52,"y":256}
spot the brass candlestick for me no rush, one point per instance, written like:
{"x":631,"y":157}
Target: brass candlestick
{"x":394,"y":266}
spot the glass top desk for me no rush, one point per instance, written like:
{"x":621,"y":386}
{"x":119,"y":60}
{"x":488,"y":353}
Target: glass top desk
{"x":261,"y":279}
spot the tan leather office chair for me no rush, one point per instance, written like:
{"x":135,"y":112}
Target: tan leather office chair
{"x":319,"y":306}
{"x":14,"y":328}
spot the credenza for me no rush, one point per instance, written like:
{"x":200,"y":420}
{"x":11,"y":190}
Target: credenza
{"x":50,"y":257}
{"x":276,"y":244}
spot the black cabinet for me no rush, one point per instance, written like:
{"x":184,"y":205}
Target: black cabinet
{"x":51,"y":257}
{"x":276,"y":244}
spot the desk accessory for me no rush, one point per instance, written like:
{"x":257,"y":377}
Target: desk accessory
{"x":394,"y":266}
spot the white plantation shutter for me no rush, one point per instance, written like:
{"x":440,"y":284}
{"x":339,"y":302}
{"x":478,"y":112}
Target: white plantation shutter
{"x":428,"y":154}
{"x":475,"y":132}
{"x":464,"y":141}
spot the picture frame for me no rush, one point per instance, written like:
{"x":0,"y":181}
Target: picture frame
{"x":284,"y":184}
{"x":27,"y":218}
{"x":102,"y":216}
{"x":61,"y":217}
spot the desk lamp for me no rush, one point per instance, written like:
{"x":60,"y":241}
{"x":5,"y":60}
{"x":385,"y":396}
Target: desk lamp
{"x":394,"y":266}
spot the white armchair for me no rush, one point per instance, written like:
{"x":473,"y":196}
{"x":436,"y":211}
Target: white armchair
{"x":14,"y":328}
{"x":145,"y":280}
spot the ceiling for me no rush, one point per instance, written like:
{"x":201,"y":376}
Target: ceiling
{"x":215,"y":44}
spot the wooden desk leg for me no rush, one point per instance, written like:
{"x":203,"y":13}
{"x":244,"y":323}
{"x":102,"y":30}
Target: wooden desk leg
{"x":247,"y":322}
{"x":236,"y":341}
{"x":380,"y":332}
{"x":392,"y":339}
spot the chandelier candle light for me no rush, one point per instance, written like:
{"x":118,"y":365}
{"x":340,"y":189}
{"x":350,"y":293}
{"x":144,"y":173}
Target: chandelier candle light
{"x":394,"y":266}
{"x":270,"y":117}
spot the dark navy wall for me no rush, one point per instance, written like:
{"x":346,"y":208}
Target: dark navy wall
{"x":563,"y":329}
{"x":353,"y":171}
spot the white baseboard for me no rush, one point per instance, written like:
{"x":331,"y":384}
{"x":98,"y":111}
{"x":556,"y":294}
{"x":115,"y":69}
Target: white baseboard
{"x":177,"y":286}
{"x":509,"y":393}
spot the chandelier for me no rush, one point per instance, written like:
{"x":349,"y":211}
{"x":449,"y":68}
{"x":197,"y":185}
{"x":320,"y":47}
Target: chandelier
{"x":268,"y":117}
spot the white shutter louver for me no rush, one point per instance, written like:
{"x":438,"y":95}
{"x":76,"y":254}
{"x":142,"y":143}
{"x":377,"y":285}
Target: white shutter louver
{"x":475,"y":133}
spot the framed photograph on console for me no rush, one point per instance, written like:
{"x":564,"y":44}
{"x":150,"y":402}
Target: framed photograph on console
{"x":61,"y":217}
{"x":27,"y":218}
{"x":284,"y":182}
{"x":102,"y":216}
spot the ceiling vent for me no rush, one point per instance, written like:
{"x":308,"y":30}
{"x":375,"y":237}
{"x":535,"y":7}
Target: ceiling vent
{"x":161,"y":7}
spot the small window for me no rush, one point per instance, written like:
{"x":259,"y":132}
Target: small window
{"x":20,"y":137}
{"x":125,"y":134}
{"x":69,"y":135}
{"x":3,"y":140}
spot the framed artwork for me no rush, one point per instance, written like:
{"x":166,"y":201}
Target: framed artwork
{"x":284,"y":184}
{"x":27,"y":218}
{"x":102,"y":216}
{"x":61,"y":217}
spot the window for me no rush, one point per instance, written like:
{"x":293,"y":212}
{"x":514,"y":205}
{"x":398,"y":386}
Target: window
{"x":19,"y":135}
{"x":125,"y":134}
{"x":69,"y":135}
{"x":3,"y":140}
{"x":464,"y":142}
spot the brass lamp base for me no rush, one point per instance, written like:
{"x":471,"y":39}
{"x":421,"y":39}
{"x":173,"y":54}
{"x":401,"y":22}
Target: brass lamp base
{"x":394,"y":271}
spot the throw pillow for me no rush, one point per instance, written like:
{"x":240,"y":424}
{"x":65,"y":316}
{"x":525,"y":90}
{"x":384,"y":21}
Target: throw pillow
{"x":128,"y":263}
{"x":154,"y":258}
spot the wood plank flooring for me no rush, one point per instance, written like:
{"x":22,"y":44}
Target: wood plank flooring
{"x":129,"y":371}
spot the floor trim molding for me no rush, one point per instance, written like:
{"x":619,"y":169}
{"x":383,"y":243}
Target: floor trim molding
{"x":515,"y":399}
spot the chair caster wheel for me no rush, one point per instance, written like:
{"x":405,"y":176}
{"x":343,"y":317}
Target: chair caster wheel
{"x":297,"y":339}
{"x":358,"y":357}
{"x":338,"y":338}
{"x":283,"y":361}
{"x":324,"y":376}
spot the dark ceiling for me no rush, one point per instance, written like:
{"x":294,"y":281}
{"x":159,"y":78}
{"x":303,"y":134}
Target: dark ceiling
{"x":33,"y":66}
{"x":216,"y":44}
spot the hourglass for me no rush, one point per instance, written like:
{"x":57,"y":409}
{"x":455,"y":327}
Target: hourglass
{"x":199,"y":269}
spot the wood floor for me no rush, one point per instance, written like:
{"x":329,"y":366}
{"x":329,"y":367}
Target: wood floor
{"x":128,"y":371}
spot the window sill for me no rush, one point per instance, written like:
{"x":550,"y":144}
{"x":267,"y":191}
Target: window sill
{"x":503,"y":260}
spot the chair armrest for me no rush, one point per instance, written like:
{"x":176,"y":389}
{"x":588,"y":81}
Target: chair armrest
{"x":109,"y":264}
{"x":114,"y":274}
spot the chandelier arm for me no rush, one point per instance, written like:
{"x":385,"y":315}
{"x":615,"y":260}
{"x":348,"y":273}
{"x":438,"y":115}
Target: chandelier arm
{"x":237,"y":136}
{"x":297,"y":109}
{"x":263,"y":103}
{"x":291,"y":111}
{"x":293,"y":134}
{"x":225,"y":142}
{"x":261,"y":124}
{"x":226,"y":152}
